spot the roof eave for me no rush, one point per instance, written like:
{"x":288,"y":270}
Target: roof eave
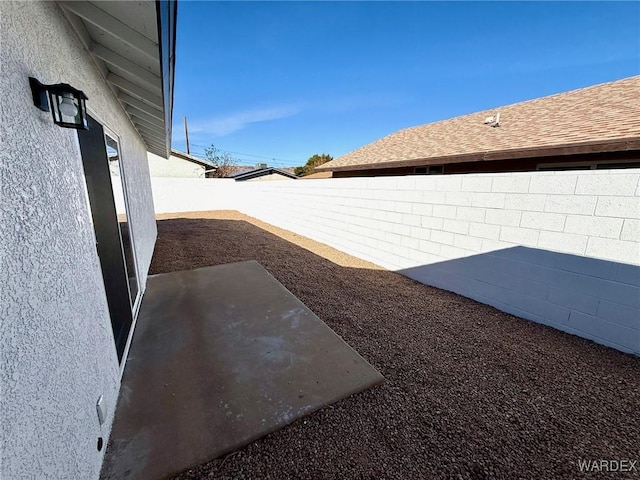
{"x":145,"y":97}
{"x":614,"y":145}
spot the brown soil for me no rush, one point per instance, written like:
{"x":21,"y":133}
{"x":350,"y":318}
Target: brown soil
{"x":470,"y":392}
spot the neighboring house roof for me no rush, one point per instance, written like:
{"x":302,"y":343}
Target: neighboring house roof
{"x":133,"y":46}
{"x":261,"y":172}
{"x":190,"y":158}
{"x":313,"y":175}
{"x":602,"y":118}
{"x":238,"y":170}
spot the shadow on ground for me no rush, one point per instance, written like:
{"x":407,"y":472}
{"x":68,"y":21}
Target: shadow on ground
{"x":470,"y":391}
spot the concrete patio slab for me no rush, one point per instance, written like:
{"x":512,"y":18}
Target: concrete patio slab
{"x":221,"y":356}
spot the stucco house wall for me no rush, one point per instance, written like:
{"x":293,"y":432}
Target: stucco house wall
{"x":173,"y":167}
{"x":58,"y":353}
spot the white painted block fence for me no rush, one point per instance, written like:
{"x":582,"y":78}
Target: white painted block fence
{"x":559,"y":248}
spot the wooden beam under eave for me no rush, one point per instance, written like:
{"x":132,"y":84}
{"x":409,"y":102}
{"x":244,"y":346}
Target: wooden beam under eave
{"x":156,"y":145}
{"x":150,"y":130}
{"x":101,"y":19}
{"x":81,"y":32}
{"x":151,"y":139}
{"x":135,"y":112}
{"x":153,"y":82}
{"x":135,"y":90}
{"x":149,"y":122}
{"x":140,"y":105}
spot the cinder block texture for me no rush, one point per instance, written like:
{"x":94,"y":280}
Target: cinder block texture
{"x":559,"y":243}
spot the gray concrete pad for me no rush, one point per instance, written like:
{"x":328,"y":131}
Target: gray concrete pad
{"x":221,"y":356}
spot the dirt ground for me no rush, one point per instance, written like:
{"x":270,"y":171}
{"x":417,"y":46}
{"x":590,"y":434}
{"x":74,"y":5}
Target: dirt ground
{"x":470,"y":392}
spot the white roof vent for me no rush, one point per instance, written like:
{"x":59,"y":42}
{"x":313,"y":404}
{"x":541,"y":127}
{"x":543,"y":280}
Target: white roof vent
{"x":493,"y":120}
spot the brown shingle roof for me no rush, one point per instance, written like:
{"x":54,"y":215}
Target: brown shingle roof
{"x":601,"y":118}
{"x":313,"y":175}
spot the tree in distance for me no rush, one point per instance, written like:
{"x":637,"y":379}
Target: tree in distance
{"x":315,"y":161}
{"x":227,"y":165}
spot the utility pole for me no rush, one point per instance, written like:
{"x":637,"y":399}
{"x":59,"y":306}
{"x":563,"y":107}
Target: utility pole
{"x":186,"y":134}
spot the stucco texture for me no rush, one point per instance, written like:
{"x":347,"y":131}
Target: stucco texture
{"x":58,"y":353}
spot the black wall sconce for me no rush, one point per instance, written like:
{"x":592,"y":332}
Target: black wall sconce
{"x":66,"y":103}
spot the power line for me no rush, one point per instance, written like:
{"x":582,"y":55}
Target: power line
{"x":251,"y":162}
{"x":240,"y":158}
{"x":281,"y":160}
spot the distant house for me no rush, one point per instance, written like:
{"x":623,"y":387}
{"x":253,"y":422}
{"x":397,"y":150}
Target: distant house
{"x":179,"y":164}
{"x":590,"y":128}
{"x":264,"y":175}
{"x":240,"y":169}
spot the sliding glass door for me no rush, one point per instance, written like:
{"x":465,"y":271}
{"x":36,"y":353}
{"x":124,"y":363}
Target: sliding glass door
{"x":101,"y":158}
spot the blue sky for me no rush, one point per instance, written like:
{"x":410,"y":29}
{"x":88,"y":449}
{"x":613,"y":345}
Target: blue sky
{"x":276,"y":82}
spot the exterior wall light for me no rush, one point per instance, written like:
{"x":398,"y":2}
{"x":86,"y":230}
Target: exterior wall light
{"x":67,"y":104}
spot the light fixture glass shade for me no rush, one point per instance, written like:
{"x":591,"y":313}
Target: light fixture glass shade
{"x":67,"y":104}
{"x":68,"y":107}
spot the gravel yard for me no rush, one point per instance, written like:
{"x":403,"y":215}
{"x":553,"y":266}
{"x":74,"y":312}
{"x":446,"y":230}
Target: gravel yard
{"x":470,"y":392}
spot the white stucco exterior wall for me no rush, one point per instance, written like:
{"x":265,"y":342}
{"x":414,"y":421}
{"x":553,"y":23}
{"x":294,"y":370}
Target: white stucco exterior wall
{"x":173,"y":167}
{"x":58,"y":353}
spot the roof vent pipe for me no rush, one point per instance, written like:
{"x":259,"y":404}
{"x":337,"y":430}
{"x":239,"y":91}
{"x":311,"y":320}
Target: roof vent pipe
{"x":493,"y":120}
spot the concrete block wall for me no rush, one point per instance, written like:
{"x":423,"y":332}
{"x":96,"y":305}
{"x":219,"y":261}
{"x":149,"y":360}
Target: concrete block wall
{"x":193,"y":194}
{"x":560,"y":248}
